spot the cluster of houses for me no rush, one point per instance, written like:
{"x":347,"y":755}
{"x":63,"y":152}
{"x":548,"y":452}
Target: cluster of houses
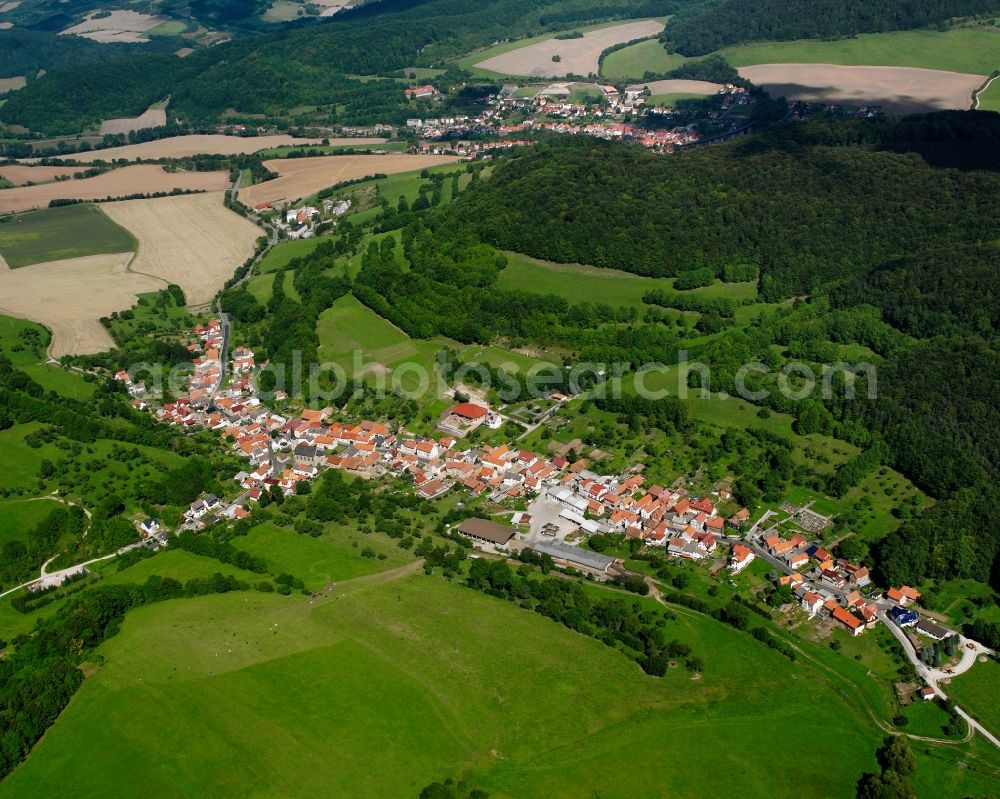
{"x":552,"y":110}
{"x":300,"y":223}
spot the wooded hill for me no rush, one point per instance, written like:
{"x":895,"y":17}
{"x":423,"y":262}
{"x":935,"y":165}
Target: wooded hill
{"x":273,"y":72}
{"x":708,"y":27}
{"x":808,"y":211}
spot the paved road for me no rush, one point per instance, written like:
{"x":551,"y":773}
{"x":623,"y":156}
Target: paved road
{"x":971,"y":650}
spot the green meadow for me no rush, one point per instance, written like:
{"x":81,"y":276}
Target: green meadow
{"x":581,"y":283}
{"x":283,"y":252}
{"x":976,"y":693}
{"x":332,"y":556}
{"x":989,"y":100}
{"x":971,"y":50}
{"x":18,"y":516}
{"x":52,"y":234}
{"x":634,"y":61}
{"x":262,"y":286}
{"x":443,"y":682}
{"x":24,"y":343}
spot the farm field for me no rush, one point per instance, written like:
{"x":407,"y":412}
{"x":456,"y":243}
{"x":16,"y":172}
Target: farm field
{"x":577,"y":56}
{"x":52,"y":234}
{"x":637,"y":59}
{"x":20,"y":174}
{"x":12,"y":84}
{"x":192,"y":240}
{"x":690,"y":88}
{"x":115,"y":26}
{"x":70,"y":296}
{"x":195,"y":144}
{"x":969,"y":50}
{"x":133,"y":179}
{"x":900,"y":90}
{"x":399,"y":664}
{"x":301,"y":177}
{"x":153,"y":118}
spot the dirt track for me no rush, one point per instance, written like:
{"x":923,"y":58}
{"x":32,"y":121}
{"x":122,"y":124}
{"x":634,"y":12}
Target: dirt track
{"x":133,"y":179}
{"x":577,"y":56}
{"x":300,"y":177}
{"x":204,"y":144}
{"x":900,"y":90}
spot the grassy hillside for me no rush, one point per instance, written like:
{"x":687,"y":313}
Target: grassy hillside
{"x":51,"y":234}
{"x":440,"y":682}
{"x":636,"y":60}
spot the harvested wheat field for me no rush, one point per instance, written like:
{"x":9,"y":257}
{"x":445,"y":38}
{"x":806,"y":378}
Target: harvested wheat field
{"x":70,"y":296}
{"x":12,"y":84}
{"x":204,"y":144}
{"x":116,"y":26}
{"x":22,"y":174}
{"x":682,"y":87}
{"x":899,"y":90}
{"x":577,"y":56}
{"x":153,"y":118}
{"x":191,"y":240}
{"x":134,"y":179}
{"x":300,"y":177}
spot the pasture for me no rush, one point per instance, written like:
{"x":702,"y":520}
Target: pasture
{"x":441,"y":682}
{"x":53,"y":234}
{"x":283,"y":252}
{"x":976,"y":693}
{"x":636,"y":60}
{"x":192,"y":240}
{"x":194,"y":144}
{"x":133,"y":179}
{"x":581,"y":283}
{"x":333,"y":556}
{"x":576,"y":56}
{"x":989,"y":100}
{"x":901,"y":90}
{"x":301,"y":177}
{"x":969,"y":50}
{"x":25,"y":342}
{"x":18,"y":516}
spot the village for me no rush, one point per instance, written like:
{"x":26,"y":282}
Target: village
{"x":566,"y":501}
{"x":560,"y":108}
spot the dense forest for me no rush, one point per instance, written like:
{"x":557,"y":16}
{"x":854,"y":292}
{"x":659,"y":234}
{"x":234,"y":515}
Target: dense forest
{"x":808,"y":214}
{"x":711,"y":26}
{"x":301,"y":66}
